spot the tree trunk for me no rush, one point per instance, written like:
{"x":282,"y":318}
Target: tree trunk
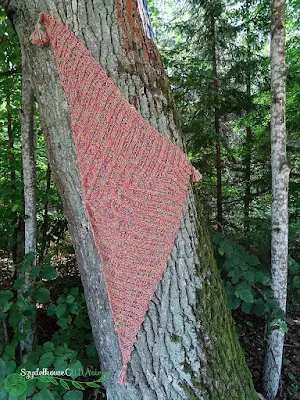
{"x":216,"y":120}
{"x":247,"y":199}
{"x":27,"y":114}
{"x":187,"y":346}
{"x":280,"y":178}
{"x":12,"y":166}
{"x":45,"y":227}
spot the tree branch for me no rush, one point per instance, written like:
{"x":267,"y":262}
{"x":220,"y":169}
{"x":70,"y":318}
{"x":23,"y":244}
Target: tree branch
{"x":10,"y":72}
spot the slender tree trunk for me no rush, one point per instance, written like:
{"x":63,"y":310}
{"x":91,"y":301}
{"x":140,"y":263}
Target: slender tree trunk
{"x":17,"y":220}
{"x":45,"y":226}
{"x":217,"y":122}
{"x":12,"y":166}
{"x":27,"y":114}
{"x":280,"y":177}
{"x":248,"y":149}
{"x":247,"y":199}
{"x":187,"y":347}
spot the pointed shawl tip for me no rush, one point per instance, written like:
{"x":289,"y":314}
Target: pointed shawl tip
{"x":122,"y":376}
{"x":39,"y":36}
{"x":196,"y":175}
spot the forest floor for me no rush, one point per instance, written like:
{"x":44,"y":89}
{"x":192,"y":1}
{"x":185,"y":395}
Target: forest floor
{"x":252,"y":336}
{"x":251,"y":331}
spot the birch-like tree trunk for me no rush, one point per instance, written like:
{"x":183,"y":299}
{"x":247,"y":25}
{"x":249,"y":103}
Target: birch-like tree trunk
{"x":27,"y":115}
{"x":280,"y":177}
{"x":187,"y":346}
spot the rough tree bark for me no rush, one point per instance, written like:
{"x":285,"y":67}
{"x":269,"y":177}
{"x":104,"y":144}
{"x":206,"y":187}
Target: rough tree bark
{"x":187,"y":346}
{"x":280,"y":178}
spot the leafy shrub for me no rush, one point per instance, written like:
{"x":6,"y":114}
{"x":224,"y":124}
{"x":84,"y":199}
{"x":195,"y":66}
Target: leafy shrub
{"x":71,"y":347}
{"x":246,"y":280}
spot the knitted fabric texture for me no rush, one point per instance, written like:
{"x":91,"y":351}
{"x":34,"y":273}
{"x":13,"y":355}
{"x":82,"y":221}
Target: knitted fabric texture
{"x":133,"y":179}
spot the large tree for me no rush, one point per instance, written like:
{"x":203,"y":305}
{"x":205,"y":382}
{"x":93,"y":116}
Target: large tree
{"x":187,"y":346}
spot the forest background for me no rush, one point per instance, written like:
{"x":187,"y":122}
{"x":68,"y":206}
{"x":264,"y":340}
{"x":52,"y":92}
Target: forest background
{"x":217,"y":58}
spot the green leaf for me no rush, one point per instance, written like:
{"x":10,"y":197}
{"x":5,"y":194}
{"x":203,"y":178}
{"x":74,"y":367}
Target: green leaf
{"x":34,"y":357}
{"x":247,"y":296}
{"x":246,"y":307}
{"x":228,"y":249}
{"x":77,"y":385}
{"x":92,"y":384}
{"x":62,"y":322}
{"x":44,"y":378}
{"x":5,"y":296}
{"x":2,"y":370}
{"x":44,"y":394}
{"x":104,"y":376}
{"x":46,"y":360}
{"x":70,"y":299}
{"x":48,"y":346}
{"x":296,"y":280}
{"x":243,"y":290}
{"x":31,"y":386}
{"x":249,"y":276}
{"x":48,"y":272}
{"x":42,"y":384}
{"x":74,"y":291}
{"x":91,"y":350}
{"x":233,"y":301}
{"x":285,"y":362}
{"x":283,"y":326}
{"x":51,"y":310}
{"x":10,"y":350}
{"x":294,"y":267}
{"x":235,"y":276}
{"x":35,"y":271}
{"x":73,"y":395}
{"x":253,"y":260}
{"x":64,"y":384}
{"x":292,"y":377}
{"x":12,"y":397}
{"x":221,"y":251}
{"x":74,"y":309}
{"x":3,"y":394}
{"x":7,"y":307}
{"x":60,"y":310}
{"x":76,"y":369}
{"x":60,"y":364}
{"x":259,"y":309}
{"x":18,"y":283}
{"x":262,"y":278}
{"x":10,"y":367}
{"x":42,"y":295}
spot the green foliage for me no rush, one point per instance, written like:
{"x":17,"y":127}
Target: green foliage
{"x":71,"y":347}
{"x":246,"y":280}
{"x":71,"y":315}
{"x":294,"y":284}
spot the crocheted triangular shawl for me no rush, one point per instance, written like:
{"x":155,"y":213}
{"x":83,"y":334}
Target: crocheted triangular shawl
{"x":133,"y":179}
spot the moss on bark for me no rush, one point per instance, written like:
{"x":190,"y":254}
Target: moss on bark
{"x":226,"y":373}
